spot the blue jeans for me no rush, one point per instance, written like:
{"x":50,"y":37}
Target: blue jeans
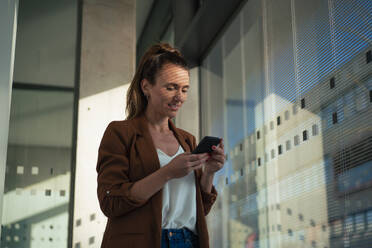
{"x":179,"y":238}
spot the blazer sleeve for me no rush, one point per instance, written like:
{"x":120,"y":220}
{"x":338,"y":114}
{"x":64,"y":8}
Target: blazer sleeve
{"x":113,"y":182}
{"x":207,"y":198}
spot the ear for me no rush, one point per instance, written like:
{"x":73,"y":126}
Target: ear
{"x":145,"y":86}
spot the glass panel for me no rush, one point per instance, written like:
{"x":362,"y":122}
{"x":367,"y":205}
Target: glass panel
{"x":295,"y":81}
{"x":38,"y":169}
{"x":46,"y":42}
{"x":36,"y":201}
{"x":213,"y":122}
{"x":369,"y":219}
{"x":359,"y":222}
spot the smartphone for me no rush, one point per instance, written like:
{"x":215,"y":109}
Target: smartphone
{"x":206,"y":144}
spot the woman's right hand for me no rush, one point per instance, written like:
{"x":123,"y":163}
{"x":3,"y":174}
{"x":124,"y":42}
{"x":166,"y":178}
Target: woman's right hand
{"x":185,"y":163}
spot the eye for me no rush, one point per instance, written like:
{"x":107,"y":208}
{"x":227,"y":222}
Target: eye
{"x":185,"y":90}
{"x":170,"y":88}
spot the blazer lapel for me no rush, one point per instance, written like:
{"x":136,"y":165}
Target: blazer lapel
{"x":184,"y":141}
{"x":150,"y":162}
{"x":145,"y":146}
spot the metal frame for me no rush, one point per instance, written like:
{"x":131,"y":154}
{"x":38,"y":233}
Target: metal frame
{"x":32,"y":86}
{"x":75,"y":121}
{"x":8,"y":27}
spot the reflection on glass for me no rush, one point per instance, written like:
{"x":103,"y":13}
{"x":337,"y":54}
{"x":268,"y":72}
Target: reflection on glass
{"x":296,"y":113}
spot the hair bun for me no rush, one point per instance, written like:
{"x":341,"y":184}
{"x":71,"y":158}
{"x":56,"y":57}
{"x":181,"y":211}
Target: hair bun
{"x":166,"y":48}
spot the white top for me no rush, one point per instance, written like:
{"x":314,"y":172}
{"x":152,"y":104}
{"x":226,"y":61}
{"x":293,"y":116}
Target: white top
{"x":179,"y":198}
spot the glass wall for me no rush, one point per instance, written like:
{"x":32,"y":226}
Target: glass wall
{"x":36,"y":202}
{"x":288,"y":86}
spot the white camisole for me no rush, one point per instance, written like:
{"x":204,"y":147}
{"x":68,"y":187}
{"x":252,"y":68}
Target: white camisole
{"x":179,"y":198}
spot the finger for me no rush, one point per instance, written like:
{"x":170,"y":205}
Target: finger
{"x":197,"y":167}
{"x":218,"y":158}
{"x":192,"y":157}
{"x":217,"y":164}
{"x":184,"y":154}
{"x":196,"y":157}
{"x":218,"y":151}
{"x":218,"y":148}
{"x":203,"y":155}
{"x":222,"y":146}
{"x":197,"y":162}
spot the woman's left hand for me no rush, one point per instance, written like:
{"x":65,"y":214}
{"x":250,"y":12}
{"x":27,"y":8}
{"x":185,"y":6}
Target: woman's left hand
{"x":216,"y":159}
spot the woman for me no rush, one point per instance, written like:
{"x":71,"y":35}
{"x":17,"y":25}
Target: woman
{"x":152,"y":189}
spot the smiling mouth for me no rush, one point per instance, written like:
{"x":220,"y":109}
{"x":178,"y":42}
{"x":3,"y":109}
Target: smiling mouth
{"x":174,"y":107}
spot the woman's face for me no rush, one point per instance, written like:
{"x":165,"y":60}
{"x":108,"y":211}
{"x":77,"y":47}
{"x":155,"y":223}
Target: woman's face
{"x":169,"y":92}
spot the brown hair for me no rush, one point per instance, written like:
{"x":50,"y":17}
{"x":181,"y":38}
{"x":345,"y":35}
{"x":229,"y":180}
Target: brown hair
{"x":151,"y":63}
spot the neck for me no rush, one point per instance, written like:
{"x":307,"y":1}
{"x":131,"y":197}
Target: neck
{"x":156,"y":122}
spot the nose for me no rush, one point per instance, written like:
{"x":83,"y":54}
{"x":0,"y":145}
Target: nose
{"x":178,"y":95}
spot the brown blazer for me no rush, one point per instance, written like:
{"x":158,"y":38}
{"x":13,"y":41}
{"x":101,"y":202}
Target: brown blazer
{"x":126,"y":155}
